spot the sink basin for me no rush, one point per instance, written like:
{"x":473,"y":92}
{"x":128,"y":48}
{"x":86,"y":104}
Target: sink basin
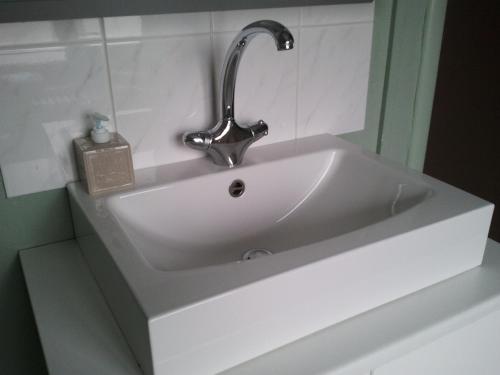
{"x":317,"y":231}
{"x":287,"y":203}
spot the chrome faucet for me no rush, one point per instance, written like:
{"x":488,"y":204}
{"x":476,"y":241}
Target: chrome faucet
{"x":227,"y":142}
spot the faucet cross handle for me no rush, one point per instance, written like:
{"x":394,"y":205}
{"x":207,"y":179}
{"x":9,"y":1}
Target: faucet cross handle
{"x":227,"y":147}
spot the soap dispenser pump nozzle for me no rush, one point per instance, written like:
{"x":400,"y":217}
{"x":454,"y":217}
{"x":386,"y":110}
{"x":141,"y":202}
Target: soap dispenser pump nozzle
{"x":99,"y":133}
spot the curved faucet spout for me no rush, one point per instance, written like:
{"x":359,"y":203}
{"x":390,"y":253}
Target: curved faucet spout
{"x":282,"y":37}
{"x":227,"y":142}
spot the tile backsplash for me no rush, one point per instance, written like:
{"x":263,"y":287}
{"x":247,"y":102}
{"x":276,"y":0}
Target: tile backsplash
{"x":158,"y":77}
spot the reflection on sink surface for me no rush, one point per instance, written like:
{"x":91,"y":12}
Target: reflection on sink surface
{"x":286,"y":204}
{"x":347,"y":230}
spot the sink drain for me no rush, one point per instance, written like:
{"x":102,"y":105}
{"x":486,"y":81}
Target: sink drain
{"x":255,"y":253}
{"x":237,"y":188}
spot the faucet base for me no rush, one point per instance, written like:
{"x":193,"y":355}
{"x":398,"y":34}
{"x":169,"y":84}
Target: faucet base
{"x":227,"y":142}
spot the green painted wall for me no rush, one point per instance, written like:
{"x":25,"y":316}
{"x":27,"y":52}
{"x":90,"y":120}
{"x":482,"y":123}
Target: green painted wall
{"x":381,"y":42}
{"x":405,"y":56}
{"x":411,"y":79}
{"x":25,"y":222}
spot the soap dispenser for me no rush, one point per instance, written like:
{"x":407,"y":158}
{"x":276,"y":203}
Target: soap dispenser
{"x":104,"y":159}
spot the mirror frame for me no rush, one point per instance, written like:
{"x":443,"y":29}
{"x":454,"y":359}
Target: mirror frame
{"x":39,"y":10}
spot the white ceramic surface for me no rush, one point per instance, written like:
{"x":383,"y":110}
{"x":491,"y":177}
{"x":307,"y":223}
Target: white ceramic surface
{"x":333,"y":77}
{"x":161,"y":88}
{"x":285,"y":206}
{"x":350,"y":231}
{"x":235,"y":20}
{"x":160,"y":77}
{"x":340,"y":14}
{"x":156,"y":25}
{"x":65,"y":31}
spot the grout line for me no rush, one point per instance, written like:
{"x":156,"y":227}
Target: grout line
{"x":126,"y":39}
{"x":108,"y":73}
{"x":298,"y":72}
{"x":337,"y":24}
{"x":304,"y":26}
{"x":213,"y":72}
{"x":233,"y":32}
{"x":112,"y":40}
{"x":43,"y":45}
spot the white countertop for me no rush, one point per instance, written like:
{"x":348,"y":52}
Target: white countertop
{"x":79,"y":335}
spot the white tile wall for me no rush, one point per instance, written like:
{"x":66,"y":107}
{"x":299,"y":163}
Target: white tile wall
{"x":333,"y":78}
{"x":158,"y":76}
{"x":235,"y":20}
{"x":45,"y":94}
{"x":157,"y":25}
{"x":161,"y":89}
{"x":337,"y":14}
{"x":25,"y":33}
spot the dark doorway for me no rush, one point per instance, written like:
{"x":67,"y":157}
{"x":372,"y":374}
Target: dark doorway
{"x":464,"y":138}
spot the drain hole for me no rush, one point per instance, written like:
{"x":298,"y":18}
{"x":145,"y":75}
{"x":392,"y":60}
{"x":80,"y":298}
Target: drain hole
{"x":237,"y":188}
{"x":255,"y":253}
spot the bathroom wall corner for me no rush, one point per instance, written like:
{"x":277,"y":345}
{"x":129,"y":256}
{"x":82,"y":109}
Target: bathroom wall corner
{"x":2,"y":187}
{"x":368,"y":138}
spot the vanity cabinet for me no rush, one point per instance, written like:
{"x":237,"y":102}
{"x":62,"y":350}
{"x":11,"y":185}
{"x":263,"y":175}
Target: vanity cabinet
{"x":473,"y":349}
{"x":36,"y":10}
{"x":452,"y":328}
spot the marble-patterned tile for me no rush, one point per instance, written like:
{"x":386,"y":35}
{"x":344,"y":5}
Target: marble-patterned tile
{"x":266,"y":86}
{"x":161,"y":89}
{"x":23,"y":33}
{"x":157,"y":25}
{"x":337,"y":14}
{"x":333,"y":82}
{"x":45,"y":95}
{"x":235,"y":20}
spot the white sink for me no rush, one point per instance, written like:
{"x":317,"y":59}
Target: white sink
{"x":346,"y":231}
